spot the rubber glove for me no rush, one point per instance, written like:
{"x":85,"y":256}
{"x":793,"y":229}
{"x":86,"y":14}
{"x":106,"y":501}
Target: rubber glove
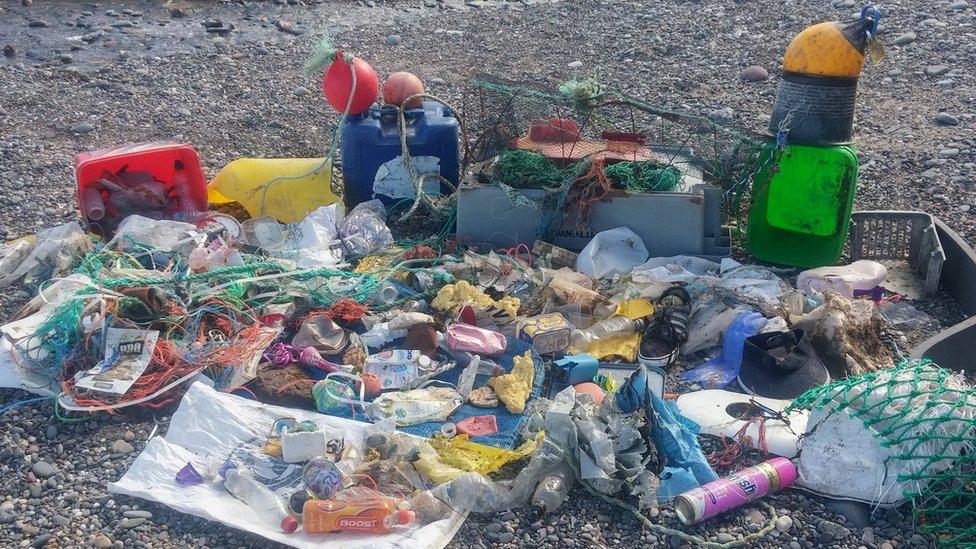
{"x":721,"y":370}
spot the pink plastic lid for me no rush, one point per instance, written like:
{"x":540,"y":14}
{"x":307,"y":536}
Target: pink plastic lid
{"x":289,"y":525}
{"x":786,"y":471}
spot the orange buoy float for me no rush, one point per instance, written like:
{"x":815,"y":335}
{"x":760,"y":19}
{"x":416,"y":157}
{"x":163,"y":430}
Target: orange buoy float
{"x":399,"y":87}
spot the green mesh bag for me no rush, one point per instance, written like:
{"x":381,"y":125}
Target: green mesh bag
{"x":923,"y":422}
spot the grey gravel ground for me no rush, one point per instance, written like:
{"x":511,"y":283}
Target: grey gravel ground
{"x":227,"y":78}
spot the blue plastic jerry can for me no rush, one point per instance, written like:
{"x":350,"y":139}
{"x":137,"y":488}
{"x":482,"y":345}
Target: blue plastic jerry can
{"x":372,"y":160}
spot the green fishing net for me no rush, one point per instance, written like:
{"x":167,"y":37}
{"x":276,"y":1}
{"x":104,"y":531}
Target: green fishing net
{"x":925,"y":417}
{"x":643,"y":177}
{"x":528,"y":170}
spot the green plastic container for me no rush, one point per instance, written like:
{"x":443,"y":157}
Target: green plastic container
{"x":801,"y":205}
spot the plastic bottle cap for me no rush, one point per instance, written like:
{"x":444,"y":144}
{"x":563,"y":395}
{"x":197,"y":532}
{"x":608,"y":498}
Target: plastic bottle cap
{"x":423,"y":361}
{"x":372,"y":385}
{"x":289,"y":524}
{"x":405,"y":516}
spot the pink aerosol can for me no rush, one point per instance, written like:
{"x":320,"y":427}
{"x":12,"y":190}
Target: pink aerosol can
{"x":737,"y":489}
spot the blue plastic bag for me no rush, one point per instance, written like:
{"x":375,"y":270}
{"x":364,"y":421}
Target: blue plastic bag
{"x":675,"y":436}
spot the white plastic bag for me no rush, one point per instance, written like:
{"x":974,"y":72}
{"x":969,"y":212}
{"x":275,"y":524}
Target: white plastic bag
{"x":163,"y":234}
{"x":613,"y":252}
{"x":57,"y":246}
{"x":844,"y":279}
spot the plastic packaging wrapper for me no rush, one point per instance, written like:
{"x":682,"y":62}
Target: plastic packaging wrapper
{"x":444,"y":459}
{"x":472,"y":339}
{"x":709,"y":320}
{"x":54,"y":248}
{"x":572,"y":288}
{"x":746,"y":283}
{"x":423,"y":405}
{"x":613,"y":252}
{"x":718,"y":372}
{"x":214,"y":426}
{"x":904,"y":316}
{"x":364,"y":229}
{"x":474,"y":492}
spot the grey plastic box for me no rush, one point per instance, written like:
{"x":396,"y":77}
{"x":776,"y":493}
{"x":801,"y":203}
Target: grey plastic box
{"x":686,"y":223}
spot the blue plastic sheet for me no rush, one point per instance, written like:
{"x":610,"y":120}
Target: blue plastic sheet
{"x":676,"y":437}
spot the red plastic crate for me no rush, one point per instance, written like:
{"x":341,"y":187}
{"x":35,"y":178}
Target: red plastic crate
{"x":158,"y":158}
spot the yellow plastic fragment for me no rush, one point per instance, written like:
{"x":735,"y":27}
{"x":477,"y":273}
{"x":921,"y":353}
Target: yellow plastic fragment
{"x":513,"y":388}
{"x":635,"y":308}
{"x":622,"y":347}
{"x":452,"y":297}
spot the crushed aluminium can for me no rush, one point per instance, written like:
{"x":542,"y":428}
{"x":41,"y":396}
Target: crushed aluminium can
{"x":735,"y":490}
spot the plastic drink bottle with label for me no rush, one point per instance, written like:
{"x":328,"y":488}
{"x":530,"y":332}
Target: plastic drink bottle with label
{"x":368,"y":516}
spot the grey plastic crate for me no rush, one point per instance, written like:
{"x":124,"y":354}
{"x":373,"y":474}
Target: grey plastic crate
{"x":673,"y":223}
{"x":900,"y":236}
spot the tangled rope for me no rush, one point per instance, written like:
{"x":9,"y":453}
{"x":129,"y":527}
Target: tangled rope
{"x":725,"y":458}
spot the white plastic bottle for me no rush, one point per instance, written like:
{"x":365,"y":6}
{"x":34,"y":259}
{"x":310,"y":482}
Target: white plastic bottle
{"x":265,"y":503}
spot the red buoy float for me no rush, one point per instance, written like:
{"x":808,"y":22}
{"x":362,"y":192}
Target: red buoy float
{"x":337,"y":84}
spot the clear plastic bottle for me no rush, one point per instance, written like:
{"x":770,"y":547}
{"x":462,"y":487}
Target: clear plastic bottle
{"x":610,"y":327}
{"x":181,"y":187}
{"x":552,"y":492}
{"x":265,"y":503}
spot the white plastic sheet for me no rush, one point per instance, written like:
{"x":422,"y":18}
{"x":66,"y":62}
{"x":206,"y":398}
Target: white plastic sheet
{"x":212,"y":426}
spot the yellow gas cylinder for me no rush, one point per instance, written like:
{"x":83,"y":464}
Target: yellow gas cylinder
{"x":815,"y":100}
